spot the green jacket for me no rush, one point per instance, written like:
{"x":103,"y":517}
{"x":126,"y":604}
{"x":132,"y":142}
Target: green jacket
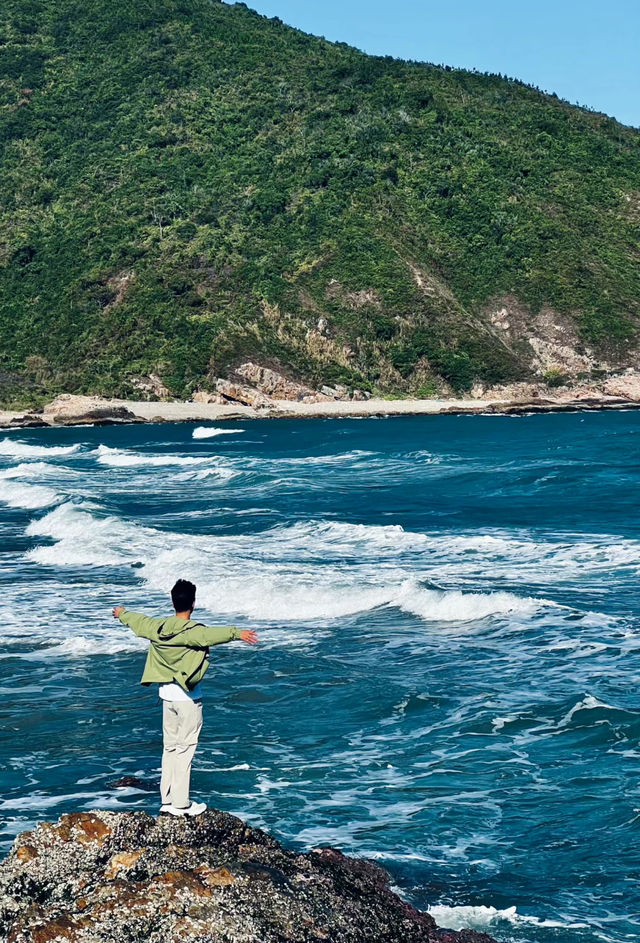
{"x":179,"y":649}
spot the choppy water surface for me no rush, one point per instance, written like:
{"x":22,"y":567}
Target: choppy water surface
{"x":447,"y":679}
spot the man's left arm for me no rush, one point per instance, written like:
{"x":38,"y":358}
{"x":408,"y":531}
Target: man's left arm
{"x":203,"y":636}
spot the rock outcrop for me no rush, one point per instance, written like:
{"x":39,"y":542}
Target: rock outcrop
{"x":245,"y":395}
{"x":626,"y":386}
{"x":126,"y":877}
{"x":203,"y":396}
{"x":25,"y":421}
{"x":613,"y":391}
{"x":275,"y":385}
{"x":68,"y":409}
{"x":151,"y":386}
{"x":268,"y":383}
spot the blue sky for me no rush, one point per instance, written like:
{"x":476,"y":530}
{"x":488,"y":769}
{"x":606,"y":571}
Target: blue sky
{"x":587,"y":51}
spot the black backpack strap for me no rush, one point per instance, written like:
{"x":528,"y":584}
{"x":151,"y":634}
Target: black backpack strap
{"x":192,"y":625}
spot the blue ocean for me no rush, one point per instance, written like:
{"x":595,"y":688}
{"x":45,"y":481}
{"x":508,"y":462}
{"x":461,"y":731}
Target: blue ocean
{"x":447,"y":675}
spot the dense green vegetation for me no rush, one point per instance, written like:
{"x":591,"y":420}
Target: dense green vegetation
{"x":185,"y":184}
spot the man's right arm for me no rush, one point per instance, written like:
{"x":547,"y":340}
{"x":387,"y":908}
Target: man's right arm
{"x":141,"y":625}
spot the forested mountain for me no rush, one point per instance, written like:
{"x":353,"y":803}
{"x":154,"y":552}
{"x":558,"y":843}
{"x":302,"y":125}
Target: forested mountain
{"x":185,"y":185}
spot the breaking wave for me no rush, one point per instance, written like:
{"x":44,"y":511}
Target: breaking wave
{"x":83,"y":645}
{"x":18,"y":449}
{"x":479,"y":917}
{"x":86,"y":539}
{"x":33,"y":470}
{"x":260,"y":576}
{"x":286,"y":600}
{"x":15,"y":494}
{"x":221,"y":472}
{"x":208,"y":432}
{"x":122,"y":458}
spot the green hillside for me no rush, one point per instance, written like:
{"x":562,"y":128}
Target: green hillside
{"x":185,"y":185}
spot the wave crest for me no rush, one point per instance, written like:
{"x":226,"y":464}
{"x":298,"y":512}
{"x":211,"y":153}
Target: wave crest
{"x":15,"y":494}
{"x":18,"y":449}
{"x":280,"y":575}
{"x":459,"y":918}
{"x":208,"y":432}
{"x":122,"y":458}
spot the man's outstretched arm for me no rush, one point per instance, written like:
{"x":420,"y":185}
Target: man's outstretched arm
{"x":203,"y":636}
{"x":141,"y":625}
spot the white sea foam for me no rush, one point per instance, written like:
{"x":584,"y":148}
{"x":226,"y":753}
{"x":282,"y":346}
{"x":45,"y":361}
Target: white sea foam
{"x":231,"y":769}
{"x":208,"y":432}
{"x":342,"y":458}
{"x":122,"y":458}
{"x":283,"y":599}
{"x":39,"y":801}
{"x":18,"y":495}
{"x":468,"y":917}
{"x":24,"y":450}
{"x":266,"y":576}
{"x":200,"y":474}
{"x":33,"y":470}
{"x":451,"y":558}
{"x":286,"y":593}
{"x":84,"y":538}
{"x":82,"y":645}
{"x":354,"y":538}
{"x":545,"y":556}
{"x":457,"y":555}
{"x":454,"y":606}
{"x":283,"y":574}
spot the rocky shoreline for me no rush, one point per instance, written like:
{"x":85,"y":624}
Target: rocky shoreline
{"x":93,"y":877}
{"x":71,"y":410}
{"x":253,"y":391}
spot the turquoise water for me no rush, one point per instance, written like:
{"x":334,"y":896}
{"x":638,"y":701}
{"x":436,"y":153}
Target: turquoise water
{"x":448,"y":669}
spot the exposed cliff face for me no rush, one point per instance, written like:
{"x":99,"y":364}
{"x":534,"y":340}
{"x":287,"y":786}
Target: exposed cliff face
{"x":126,"y":877}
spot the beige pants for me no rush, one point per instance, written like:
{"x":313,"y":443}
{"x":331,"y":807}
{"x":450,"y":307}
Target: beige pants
{"x":181,"y":725}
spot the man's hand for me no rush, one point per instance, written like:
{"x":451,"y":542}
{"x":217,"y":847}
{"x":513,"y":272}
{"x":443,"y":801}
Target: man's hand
{"x":248,"y":636}
{"x":117,"y":611}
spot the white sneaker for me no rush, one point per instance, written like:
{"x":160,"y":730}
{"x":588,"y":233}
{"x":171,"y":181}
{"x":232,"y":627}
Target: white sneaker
{"x":194,"y":808}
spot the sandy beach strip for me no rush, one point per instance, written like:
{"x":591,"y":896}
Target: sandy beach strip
{"x":210,"y":412}
{"x":284,"y":409}
{"x":190,"y":412}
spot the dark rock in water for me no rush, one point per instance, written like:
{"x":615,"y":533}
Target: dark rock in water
{"x":28,"y":421}
{"x":133,"y":782}
{"x":127,"y":877}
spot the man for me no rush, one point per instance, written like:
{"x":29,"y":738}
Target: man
{"x":178,"y":659}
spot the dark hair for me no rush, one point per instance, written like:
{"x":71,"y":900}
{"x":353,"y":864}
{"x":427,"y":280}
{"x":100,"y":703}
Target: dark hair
{"x":183,"y":596}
